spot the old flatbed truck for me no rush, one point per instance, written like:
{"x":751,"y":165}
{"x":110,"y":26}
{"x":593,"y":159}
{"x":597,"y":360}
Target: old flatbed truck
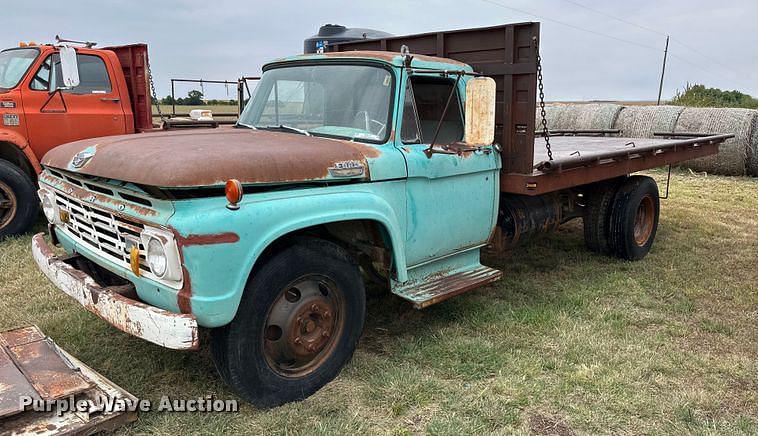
{"x":39,"y":112}
{"x":344,"y":165}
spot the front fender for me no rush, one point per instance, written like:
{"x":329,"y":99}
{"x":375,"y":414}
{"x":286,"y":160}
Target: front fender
{"x":15,"y":139}
{"x":219,"y":269}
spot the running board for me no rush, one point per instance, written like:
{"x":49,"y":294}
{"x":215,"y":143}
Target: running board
{"x":441,"y":287}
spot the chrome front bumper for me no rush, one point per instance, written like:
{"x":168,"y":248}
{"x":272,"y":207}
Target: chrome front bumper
{"x":167,"y":329}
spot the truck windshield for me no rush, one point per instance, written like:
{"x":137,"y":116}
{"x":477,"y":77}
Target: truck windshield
{"x":346,"y":101}
{"x":13,"y":65}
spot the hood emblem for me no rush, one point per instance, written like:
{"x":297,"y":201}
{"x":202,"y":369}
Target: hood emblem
{"x":81,"y":158}
{"x":348,"y":168}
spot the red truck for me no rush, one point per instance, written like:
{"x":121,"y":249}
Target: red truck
{"x":40,"y":112}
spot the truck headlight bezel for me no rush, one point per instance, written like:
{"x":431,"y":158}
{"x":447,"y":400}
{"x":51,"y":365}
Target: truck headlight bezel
{"x":49,"y":207}
{"x":169,"y":252}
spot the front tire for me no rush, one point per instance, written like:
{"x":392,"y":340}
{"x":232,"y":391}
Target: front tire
{"x":18,"y":200}
{"x":297,"y":325}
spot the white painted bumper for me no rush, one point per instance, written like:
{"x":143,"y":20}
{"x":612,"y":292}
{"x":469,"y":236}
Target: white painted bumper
{"x":167,"y":329}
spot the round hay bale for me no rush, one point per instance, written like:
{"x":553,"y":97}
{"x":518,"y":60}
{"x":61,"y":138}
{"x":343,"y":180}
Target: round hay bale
{"x":752,"y":151}
{"x":643,"y":121}
{"x":733,"y":154}
{"x":553,"y":115}
{"x":593,"y":116}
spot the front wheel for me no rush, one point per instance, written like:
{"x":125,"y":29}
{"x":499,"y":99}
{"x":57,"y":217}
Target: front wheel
{"x":297,"y":325}
{"x":18,"y":200}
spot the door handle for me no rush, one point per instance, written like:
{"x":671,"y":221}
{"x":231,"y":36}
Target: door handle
{"x":112,"y":100}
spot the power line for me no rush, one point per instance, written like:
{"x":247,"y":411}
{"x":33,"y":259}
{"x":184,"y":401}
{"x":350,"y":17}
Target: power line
{"x":657,"y":32}
{"x":614,"y":17}
{"x":594,"y":32}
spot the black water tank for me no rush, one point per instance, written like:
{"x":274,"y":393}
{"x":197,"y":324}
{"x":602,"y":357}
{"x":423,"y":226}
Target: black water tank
{"x":334,"y":33}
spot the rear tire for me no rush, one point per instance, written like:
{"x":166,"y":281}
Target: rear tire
{"x":18,"y":200}
{"x":634,"y":218}
{"x":297,"y":325}
{"x":597,"y":215}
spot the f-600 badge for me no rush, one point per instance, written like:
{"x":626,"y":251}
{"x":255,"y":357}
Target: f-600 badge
{"x":348,"y":168}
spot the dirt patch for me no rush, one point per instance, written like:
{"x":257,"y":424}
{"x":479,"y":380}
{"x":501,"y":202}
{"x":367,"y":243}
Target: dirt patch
{"x":549,"y":425}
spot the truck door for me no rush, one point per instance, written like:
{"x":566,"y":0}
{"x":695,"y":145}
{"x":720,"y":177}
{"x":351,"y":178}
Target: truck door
{"x":89,"y":110}
{"x":451,"y":199}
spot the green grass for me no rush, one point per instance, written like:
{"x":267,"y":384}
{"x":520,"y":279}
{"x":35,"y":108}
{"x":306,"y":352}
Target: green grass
{"x":568,"y":342}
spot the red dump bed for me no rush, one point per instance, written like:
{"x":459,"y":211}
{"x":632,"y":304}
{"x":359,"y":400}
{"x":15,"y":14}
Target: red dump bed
{"x":134,"y":64}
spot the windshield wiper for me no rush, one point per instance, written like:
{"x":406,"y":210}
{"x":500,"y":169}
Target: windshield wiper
{"x":239,"y":125}
{"x":290,"y":128}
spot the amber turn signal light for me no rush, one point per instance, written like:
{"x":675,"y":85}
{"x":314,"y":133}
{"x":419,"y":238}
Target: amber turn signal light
{"x":134,"y":260}
{"x":233,"y":193}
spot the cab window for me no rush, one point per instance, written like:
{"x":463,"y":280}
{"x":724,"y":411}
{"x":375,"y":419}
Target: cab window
{"x":428,"y":96}
{"x":93,"y":75}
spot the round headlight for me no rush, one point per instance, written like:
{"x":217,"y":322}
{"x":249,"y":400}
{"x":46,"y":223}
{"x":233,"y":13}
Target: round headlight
{"x":156,"y":257}
{"x":48,"y":207}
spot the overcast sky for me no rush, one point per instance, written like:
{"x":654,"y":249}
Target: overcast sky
{"x":223,"y":39}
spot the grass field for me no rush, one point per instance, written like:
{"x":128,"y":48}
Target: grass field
{"x":568,"y":342}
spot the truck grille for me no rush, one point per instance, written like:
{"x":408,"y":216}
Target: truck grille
{"x":109,"y":235}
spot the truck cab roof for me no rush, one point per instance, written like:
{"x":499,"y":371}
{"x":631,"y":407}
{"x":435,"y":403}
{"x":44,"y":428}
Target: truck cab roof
{"x":388,"y":57}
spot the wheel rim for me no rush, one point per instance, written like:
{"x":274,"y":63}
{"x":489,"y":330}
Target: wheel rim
{"x":303,"y":326}
{"x":8,"y":205}
{"x":643,"y":220}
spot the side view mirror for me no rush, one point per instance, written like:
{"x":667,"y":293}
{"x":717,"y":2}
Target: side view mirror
{"x":480,"y":111}
{"x":69,"y":67}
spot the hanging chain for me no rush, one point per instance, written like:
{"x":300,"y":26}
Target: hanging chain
{"x":543,"y":114}
{"x":152,"y":91}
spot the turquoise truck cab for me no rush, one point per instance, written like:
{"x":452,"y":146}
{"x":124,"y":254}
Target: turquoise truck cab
{"x":167,"y":232}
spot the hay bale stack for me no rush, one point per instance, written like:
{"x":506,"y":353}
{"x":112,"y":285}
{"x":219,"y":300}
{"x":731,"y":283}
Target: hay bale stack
{"x":592,"y":116}
{"x":752,"y":163}
{"x":643,"y":121}
{"x":732,"y":158}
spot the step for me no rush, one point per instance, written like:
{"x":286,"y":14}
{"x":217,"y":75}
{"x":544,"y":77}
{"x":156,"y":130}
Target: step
{"x":441,"y":287}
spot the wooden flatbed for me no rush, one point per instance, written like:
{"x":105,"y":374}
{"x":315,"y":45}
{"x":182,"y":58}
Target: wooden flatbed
{"x":579,"y":160}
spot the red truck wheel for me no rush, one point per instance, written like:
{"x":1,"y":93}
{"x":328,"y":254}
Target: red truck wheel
{"x":297,"y":325}
{"x":634,"y":218}
{"x":18,"y":200}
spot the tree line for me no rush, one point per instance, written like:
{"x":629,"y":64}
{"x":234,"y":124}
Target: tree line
{"x":700,"y":96}
{"x":194,"y":98}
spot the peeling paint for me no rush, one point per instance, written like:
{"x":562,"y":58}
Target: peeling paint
{"x":170,"y":330}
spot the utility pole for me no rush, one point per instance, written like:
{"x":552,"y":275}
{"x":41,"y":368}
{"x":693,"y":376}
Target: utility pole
{"x":663,"y":70}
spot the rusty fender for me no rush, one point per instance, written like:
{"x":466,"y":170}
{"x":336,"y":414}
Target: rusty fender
{"x":167,"y":329}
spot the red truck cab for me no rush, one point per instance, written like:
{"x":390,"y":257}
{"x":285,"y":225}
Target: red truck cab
{"x":39,"y":114}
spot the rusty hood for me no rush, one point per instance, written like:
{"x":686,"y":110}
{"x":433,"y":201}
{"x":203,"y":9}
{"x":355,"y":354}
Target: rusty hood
{"x":210,"y":157}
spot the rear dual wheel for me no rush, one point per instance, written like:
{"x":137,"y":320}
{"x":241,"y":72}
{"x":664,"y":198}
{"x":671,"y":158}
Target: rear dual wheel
{"x":621,"y":217}
{"x":297,"y":325}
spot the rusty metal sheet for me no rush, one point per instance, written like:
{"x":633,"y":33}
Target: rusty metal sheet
{"x":13,"y":385}
{"x":21,"y":336}
{"x":170,"y":159}
{"x":50,"y":375}
{"x":36,"y":367}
